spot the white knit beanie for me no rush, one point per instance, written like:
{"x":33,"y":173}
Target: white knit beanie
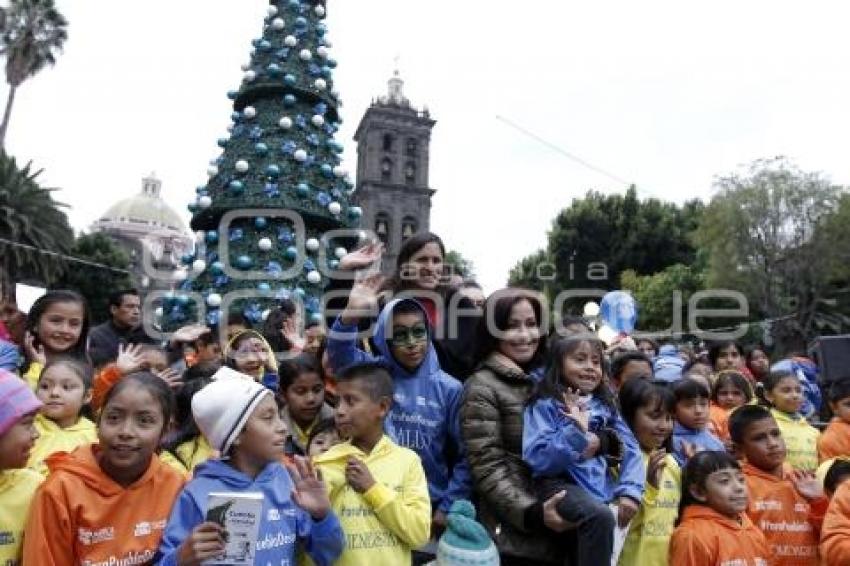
{"x":222,"y":408}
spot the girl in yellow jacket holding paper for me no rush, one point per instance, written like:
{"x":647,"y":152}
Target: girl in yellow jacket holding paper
{"x":377,"y":488}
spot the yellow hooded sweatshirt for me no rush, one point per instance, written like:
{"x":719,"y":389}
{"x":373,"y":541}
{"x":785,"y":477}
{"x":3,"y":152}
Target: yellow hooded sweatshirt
{"x":188,"y":455}
{"x":53,"y":438}
{"x":648,"y":541}
{"x":801,"y":440}
{"x":17,"y":488}
{"x":384,"y":524}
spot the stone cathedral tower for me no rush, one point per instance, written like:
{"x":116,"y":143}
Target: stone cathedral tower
{"x":393,"y":149}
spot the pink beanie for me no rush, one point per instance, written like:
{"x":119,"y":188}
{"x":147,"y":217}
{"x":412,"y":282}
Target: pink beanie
{"x":16,"y":400}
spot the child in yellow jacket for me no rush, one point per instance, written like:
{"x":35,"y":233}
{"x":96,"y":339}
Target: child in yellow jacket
{"x":18,"y":407}
{"x":648,"y":409}
{"x":64,"y":388}
{"x":784,"y":392}
{"x":377,"y":488}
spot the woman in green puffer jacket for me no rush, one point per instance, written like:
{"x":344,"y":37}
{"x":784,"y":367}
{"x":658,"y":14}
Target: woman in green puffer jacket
{"x":526,"y":531}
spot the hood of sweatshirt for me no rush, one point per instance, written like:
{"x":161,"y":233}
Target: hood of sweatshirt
{"x":707,"y":513}
{"x":430,"y":363}
{"x":82,"y":463}
{"x":223,"y":473}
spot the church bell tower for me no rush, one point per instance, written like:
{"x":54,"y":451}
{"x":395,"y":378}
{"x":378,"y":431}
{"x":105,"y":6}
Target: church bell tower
{"x":393,"y":147}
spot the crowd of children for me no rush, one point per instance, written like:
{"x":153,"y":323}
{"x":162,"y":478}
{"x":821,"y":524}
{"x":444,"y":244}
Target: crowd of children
{"x":365,"y":451}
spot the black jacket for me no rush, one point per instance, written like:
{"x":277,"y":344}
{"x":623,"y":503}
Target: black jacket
{"x":105,"y":338}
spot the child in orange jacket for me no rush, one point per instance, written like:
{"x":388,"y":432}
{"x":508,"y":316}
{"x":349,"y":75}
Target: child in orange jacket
{"x":730,"y":391}
{"x":713,"y":528}
{"x":108,"y":503}
{"x":835,"y":440}
{"x":835,"y":534}
{"x":787,"y":505}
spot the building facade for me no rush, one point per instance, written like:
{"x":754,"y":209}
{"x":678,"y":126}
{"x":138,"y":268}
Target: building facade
{"x":393,"y":153}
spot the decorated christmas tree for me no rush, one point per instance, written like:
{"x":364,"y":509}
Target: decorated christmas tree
{"x":278,"y":189}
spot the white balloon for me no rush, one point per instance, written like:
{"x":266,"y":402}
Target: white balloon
{"x":340,"y":171}
{"x":321,"y":84}
{"x":249,"y":112}
{"x":318,"y":121}
{"x":249,"y":76}
{"x":312,"y":245}
{"x":340,"y":252}
{"x":314,"y":278}
{"x":212,"y":170}
{"x":199,"y":266}
{"x":242,"y":166}
{"x":158,"y":312}
{"x":214,"y":300}
{"x":180,"y":275}
{"x":323,"y":52}
{"x":265,"y":244}
{"x":305,"y":55}
{"x":300,"y":155}
{"x":320,"y":10}
{"x":205,"y":201}
{"x":290,"y":41}
{"x":271,"y":11}
{"x":285,"y":122}
{"x":278,"y":23}
{"x":335,"y":208}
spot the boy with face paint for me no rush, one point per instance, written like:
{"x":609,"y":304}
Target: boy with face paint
{"x":426,"y":400}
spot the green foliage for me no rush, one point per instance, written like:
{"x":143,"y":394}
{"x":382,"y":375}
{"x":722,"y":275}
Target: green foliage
{"x":663,"y":295}
{"x":29,"y":216}
{"x":96,"y":282}
{"x":31,"y":34}
{"x":532,"y":272}
{"x":459,"y":265}
{"x":772,"y":233}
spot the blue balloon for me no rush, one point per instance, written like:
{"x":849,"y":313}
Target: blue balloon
{"x":619,"y":310}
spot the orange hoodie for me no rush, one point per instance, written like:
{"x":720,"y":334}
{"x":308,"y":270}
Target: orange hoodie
{"x":790,"y":523}
{"x":835,"y":534}
{"x":834,"y":441}
{"x":80,"y":516}
{"x":704,"y":537}
{"x":719,"y":422}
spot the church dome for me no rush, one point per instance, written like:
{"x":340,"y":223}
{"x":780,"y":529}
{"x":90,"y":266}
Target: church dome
{"x":144,"y":211}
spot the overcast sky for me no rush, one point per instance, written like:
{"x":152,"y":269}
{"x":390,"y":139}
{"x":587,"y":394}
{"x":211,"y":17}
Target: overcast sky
{"x":663,"y":94}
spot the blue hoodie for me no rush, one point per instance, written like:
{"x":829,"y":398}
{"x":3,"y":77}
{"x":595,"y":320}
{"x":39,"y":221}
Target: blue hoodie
{"x":426,"y":406}
{"x":700,"y":438}
{"x":552,"y":445}
{"x":284,"y":522}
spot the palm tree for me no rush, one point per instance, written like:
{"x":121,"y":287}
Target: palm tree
{"x":34,"y":231}
{"x":31,"y":34}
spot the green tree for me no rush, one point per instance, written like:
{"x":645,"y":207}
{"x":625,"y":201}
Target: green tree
{"x":663,"y":296}
{"x":280,"y":158}
{"x":33,"y":228}
{"x":32,"y":32}
{"x":768,"y":234}
{"x":594,"y":240}
{"x":459,"y":265}
{"x":103,"y":270}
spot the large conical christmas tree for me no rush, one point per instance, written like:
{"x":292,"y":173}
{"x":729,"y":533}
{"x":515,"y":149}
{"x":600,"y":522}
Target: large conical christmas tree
{"x":278,"y":187}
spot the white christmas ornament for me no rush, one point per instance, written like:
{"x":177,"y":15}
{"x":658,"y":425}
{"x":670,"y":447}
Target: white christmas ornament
{"x":312,"y":245}
{"x":278,"y":24}
{"x":158,"y":312}
{"x":205,"y":201}
{"x":180,"y":275}
{"x":323,"y":52}
{"x":271,"y":11}
{"x":300,"y":155}
{"x":305,"y":55}
{"x":242,"y":166}
{"x":340,"y":171}
{"x":214,"y":300}
{"x":249,"y":112}
{"x":290,"y":41}
{"x":314,"y":278}
{"x":340,"y":252}
{"x":320,"y":10}
{"x":318,"y":121}
{"x":335,"y":208}
{"x":265,"y":314}
{"x":321,"y":84}
{"x":249,"y":76}
{"x":265,"y":244}
{"x":212,"y":170}
{"x":199,"y":265}
{"x":362,"y":237}
{"x":285,"y":122}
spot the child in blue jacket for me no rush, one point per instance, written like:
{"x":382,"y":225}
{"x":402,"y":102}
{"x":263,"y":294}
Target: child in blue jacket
{"x":572,"y":434}
{"x":691,"y":430}
{"x":240,"y":418}
{"x":426,"y":400}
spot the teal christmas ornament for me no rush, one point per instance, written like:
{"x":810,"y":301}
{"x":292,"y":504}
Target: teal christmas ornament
{"x":302,"y":190}
{"x":236,"y":186}
{"x":273,"y":171}
{"x":291,"y":253}
{"x":244,"y":262}
{"x":260,"y":223}
{"x":216,"y":268}
{"x":261,"y":148}
{"x":289,"y":100}
{"x":211,"y":237}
